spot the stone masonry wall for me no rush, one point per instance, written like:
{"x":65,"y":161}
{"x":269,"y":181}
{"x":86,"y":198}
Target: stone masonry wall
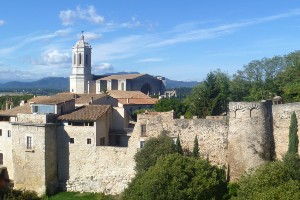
{"x":91,"y":168}
{"x":281,"y":122}
{"x":249,"y":136}
{"x":212,"y":135}
{"x":6,"y":148}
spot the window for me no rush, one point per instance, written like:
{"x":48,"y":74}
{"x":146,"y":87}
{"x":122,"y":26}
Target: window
{"x":142,"y":144}
{"x":0,"y":132}
{"x":102,"y":141}
{"x":89,"y":141}
{"x":71,"y":140}
{"x":29,"y":142}
{"x":79,"y":58}
{"x":8,"y":133}
{"x":74,"y":59}
{"x":1,"y":158}
{"x":77,"y":123}
{"x":88,"y":123}
{"x":35,"y":109}
{"x":143,"y":129}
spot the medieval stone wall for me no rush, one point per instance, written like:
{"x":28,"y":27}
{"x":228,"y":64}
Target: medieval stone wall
{"x":249,"y":136}
{"x":281,"y":122}
{"x":92,"y":168}
{"x":6,"y":147}
{"x":212,"y":135}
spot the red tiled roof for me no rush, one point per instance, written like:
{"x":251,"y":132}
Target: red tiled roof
{"x":86,"y":113}
{"x":149,"y":101}
{"x":118,"y":94}
{"x":122,"y":76}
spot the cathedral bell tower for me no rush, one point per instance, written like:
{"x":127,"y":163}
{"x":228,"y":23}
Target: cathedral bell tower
{"x":81,"y":67}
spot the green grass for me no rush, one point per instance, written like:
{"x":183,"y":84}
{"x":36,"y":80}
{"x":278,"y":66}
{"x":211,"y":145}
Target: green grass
{"x":81,"y":196}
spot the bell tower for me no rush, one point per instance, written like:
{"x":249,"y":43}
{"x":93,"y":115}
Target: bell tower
{"x":81,"y":67}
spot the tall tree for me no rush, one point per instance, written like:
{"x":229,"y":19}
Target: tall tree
{"x":196,"y":153}
{"x":293,"y":136}
{"x":211,"y":96}
{"x":178,"y":146}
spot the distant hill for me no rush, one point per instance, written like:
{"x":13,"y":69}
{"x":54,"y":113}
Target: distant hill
{"x":62,"y":83}
{"x":46,"y":83}
{"x":181,"y":84}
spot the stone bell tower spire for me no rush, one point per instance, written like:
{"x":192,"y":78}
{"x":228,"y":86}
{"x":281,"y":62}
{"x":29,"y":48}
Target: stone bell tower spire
{"x":81,"y":66}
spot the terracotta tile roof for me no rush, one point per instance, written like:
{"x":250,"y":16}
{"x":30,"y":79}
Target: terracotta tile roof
{"x":86,"y":98}
{"x":117,"y":94}
{"x":25,"y":109}
{"x":149,"y":101}
{"x":56,"y":99}
{"x":122,"y":76}
{"x":86,"y":113}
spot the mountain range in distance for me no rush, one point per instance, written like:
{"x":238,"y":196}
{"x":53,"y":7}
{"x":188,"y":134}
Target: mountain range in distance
{"x":63,"y":83}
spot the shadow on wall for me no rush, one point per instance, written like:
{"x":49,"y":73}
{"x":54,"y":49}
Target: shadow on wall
{"x":146,"y":89}
{"x":63,"y":163}
{"x":4,"y":178}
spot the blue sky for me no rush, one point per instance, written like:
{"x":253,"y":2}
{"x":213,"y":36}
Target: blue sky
{"x":182,"y":40}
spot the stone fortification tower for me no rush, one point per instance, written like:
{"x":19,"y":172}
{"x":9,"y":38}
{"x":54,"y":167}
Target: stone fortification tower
{"x":250,"y":136}
{"x":81,"y":67}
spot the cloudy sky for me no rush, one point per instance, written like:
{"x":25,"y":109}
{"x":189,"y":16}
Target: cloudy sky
{"x":182,"y":40}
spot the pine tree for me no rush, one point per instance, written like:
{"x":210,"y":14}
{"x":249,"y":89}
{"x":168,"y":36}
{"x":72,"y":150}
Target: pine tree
{"x":178,"y":146}
{"x":293,"y":137}
{"x":196,"y":153}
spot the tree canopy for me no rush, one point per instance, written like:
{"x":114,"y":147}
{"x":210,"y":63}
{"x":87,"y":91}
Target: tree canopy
{"x":153,"y":149}
{"x":178,"y":177}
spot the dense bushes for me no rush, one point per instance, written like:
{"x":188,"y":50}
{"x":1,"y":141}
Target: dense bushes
{"x":178,"y":177}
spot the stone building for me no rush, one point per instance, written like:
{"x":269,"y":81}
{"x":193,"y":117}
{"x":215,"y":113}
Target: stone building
{"x":82,"y":81}
{"x":48,"y":143}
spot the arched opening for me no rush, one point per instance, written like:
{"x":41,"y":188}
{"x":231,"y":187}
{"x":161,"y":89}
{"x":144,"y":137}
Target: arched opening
{"x":74,"y":58}
{"x":146,"y":88}
{"x":79,"y":58}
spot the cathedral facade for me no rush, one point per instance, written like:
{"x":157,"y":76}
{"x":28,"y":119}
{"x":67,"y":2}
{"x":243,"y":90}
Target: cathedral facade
{"x":82,"y":81}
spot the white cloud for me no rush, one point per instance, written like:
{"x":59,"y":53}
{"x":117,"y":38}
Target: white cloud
{"x":92,"y":36}
{"x":53,"y":57}
{"x":2,"y":22}
{"x":103,"y":68}
{"x":150,"y":60}
{"x":69,"y":17}
{"x":13,"y":74}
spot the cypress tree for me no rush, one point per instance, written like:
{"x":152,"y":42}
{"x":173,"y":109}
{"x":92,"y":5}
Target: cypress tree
{"x":178,"y":146}
{"x":196,"y":153}
{"x":293,"y":137}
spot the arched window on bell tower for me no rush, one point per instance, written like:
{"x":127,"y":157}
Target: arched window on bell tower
{"x":74,"y":58}
{"x":79,"y":58}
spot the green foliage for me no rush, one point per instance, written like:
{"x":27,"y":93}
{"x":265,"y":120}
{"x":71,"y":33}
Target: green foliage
{"x":196,"y":153}
{"x":211,"y":96}
{"x":177,"y":177}
{"x":9,"y":194}
{"x":81,"y":196}
{"x":15,"y":99}
{"x":293,"y":136}
{"x":178,"y":146}
{"x":153,"y":149}
{"x":270,"y":181}
{"x":168,"y":104}
{"x":292,"y":162}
